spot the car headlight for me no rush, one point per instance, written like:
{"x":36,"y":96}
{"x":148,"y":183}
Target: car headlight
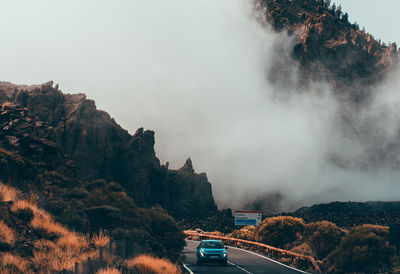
{"x":201,"y":254}
{"x":224,"y":254}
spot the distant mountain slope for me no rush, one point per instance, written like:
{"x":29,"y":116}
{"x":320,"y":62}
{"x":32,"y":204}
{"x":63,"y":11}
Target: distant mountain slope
{"x":61,"y":131}
{"x":349,"y":214}
{"x":327,"y":46}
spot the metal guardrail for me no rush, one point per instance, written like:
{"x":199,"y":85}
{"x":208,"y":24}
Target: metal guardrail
{"x":267,"y":249}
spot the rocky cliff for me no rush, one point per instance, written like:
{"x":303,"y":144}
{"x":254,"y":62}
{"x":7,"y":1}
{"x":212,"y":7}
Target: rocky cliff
{"x":66,"y":132}
{"x":328,"y":47}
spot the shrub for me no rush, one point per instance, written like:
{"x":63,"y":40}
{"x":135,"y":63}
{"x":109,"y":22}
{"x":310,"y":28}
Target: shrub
{"x":101,"y":239}
{"x":49,"y":256}
{"x":304,"y":248}
{"x":7,"y":193}
{"x":7,"y":235}
{"x":147,"y":264}
{"x":364,"y":249}
{"x":109,"y":270}
{"x":245,"y":233}
{"x":323,"y":237}
{"x":44,"y":222}
{"x":216,"y":233}
{"x":279,"y":231}
{"x":10,"y":263}
{"x":103,"y":217}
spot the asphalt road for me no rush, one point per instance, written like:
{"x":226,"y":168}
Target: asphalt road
{"x":239,"y":261}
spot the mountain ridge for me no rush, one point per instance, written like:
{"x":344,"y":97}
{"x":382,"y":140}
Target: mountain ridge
{"x":101,"y":149}
{"x":327,"y":46}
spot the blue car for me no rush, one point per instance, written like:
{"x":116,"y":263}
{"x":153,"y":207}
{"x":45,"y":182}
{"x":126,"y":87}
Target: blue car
{"x":211,"y":251}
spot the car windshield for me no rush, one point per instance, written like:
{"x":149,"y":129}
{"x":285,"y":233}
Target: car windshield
{"x":212,"y":245}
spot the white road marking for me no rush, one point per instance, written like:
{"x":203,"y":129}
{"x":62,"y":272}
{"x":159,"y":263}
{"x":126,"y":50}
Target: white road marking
{"x":241,"y":268}
{"x":269,"y":259}
{"x":188,"y":269}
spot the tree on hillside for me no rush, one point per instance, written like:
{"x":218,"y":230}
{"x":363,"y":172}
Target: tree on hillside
{"x":333,"y":9}
{"x":345,"y":17}
{"x":338,"y":11}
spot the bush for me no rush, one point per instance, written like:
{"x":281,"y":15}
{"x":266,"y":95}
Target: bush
{"x":323,"y":237}
{"x":280,"y":231}
{"x":364,"y":249}
{"x":304,"y":248}
{"x":148,"y":264}
{"x":245,"y":233}
{"x":7,"y":193}
{"x":109,"y":270}
{"x":103,"y":217}
{"x":216,"y":233}
{"x":7,"y":234}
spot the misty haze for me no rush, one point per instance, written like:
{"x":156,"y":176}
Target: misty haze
{"x":203,"y":87}
{"x":190,"y":110}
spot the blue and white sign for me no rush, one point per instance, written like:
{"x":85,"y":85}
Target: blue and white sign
{"x":248,"y":217}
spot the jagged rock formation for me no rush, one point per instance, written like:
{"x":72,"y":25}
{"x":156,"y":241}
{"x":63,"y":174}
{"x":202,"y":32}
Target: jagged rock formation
{"x":55,"y":129}
{"x":328,"y":47}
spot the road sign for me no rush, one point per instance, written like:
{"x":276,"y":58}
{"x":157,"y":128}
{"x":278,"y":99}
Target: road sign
{"x":394,"y":234}
{"x":247,"y":217}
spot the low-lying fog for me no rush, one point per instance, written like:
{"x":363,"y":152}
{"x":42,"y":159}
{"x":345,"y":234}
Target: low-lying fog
{"x":195,"y":73}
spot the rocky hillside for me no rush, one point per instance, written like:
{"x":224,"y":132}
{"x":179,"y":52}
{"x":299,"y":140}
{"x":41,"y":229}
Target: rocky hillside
{"x":349,"y":214}
{"x":328,"y":47}
{"x":66,"y":133}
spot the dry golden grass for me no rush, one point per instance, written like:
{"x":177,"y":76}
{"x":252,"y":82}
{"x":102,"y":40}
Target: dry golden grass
{"x":74,"y":243}
{"x":48,"y":256}
{"x":216,"y":233}
{"x":7,"y":193}
{"x":109,"y":271}
{"x":62,"y":254}
{"x":246,"y":233}
{"x":13,"y":264}
{"x":22,"y":204}
{"x":101,"y":239}
{"x":148,"y":264}
{"x":45,"y":222}
{"x":6,"y":233}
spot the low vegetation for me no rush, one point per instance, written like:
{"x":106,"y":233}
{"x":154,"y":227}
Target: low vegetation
{"x":144,"y":264}
{"x":99,"y":205}
{"x":365,"y":248}
{"x":361,"y":249}
{"x":109,"y":270}
{"x":31,"y":241}
{"x":246,"y":233}
{"x":323,"y":237}
{"x":280,"y":231}
{"x":149,"y":264}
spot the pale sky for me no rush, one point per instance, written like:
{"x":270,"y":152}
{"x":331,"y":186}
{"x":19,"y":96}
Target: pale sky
{"x":379,"y":17}
{"x":46,"y":39}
